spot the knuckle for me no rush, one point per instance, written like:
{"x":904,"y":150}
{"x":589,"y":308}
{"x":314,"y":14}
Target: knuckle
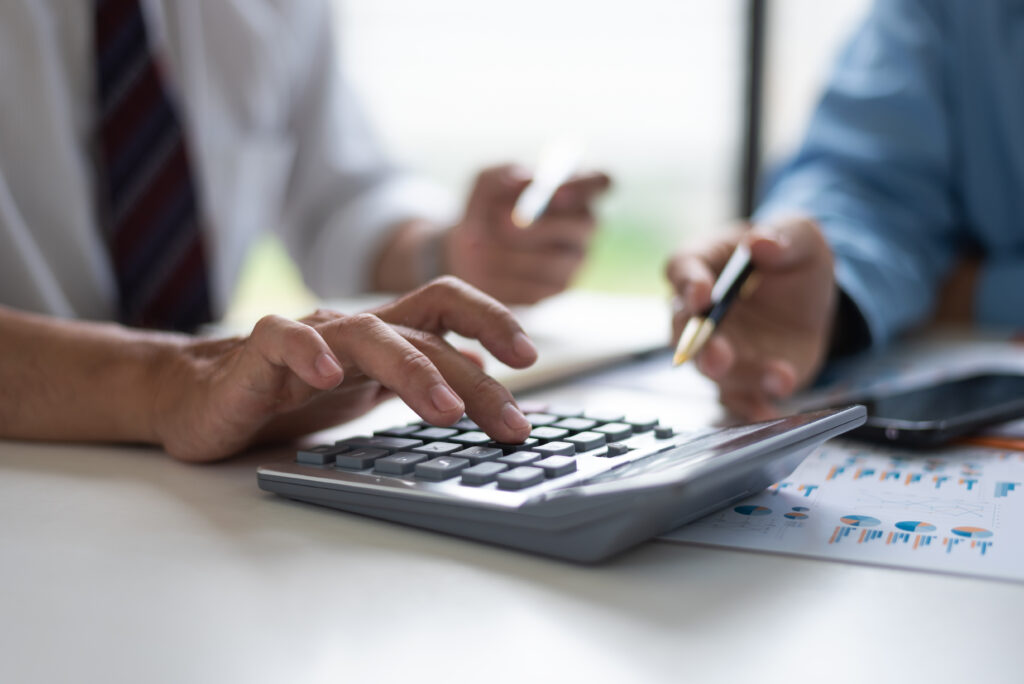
{"x":296,"y":335}
{"x":414,"y":363}
{"x":267,"y":325}
{"x":446,"y":284}
{"x":361,"y":323}
{"x":486,"y":385}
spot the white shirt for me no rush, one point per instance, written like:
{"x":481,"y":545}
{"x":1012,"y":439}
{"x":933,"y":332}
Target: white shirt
{"x":275,"y":137}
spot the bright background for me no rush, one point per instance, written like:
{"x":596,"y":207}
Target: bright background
{"x":653,"y":88}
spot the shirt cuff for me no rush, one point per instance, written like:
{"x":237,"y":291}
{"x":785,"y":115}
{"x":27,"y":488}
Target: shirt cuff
{"x":342,"y":258}
{"x":999,"y":295}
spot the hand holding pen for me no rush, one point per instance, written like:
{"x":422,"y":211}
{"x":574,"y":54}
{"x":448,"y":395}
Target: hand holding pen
{"x":762,"y":345}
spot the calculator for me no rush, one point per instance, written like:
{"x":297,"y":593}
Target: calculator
{"x":584,"y":486}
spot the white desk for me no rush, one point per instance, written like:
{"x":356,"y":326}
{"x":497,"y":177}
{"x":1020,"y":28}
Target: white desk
{"x":121,"y":565}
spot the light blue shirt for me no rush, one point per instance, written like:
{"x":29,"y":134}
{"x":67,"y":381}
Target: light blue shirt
{"x":916,"y":155}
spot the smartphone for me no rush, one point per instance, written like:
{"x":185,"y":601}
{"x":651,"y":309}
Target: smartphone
{"x":936,"y":414}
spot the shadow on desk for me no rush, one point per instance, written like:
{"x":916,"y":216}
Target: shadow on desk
{"x":129,"y":491}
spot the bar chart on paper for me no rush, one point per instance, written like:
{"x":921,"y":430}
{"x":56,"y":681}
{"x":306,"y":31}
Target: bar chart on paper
{"x":959,"y":511}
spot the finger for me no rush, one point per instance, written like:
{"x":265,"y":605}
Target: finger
{"x":787,"y":244}
{"x":778,"y":378}
{"x":717,"y":358}
{"x":449,"y":304}
{"x":473,"y":356}
{"x":386,"y":356}
{"x":752,"y":407}
{"x":571,"y":233}
{"x":578,"y":192}
{"x":319,"y":316}
{"x":298,"y":347}
{"x":692,"y":277}
{"x":487,"y":402}
{"x":497,"y":185}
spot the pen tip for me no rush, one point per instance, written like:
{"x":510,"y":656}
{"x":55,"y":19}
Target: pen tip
{"x":695,"y":335}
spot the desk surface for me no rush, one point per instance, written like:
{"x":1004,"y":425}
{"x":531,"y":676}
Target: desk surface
{"x":119,"y":564}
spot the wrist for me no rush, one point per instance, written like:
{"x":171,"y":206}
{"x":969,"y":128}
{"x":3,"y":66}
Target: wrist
{"x":415,"y":254}
{"x":170,"y":368}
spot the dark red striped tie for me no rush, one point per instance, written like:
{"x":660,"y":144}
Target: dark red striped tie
{"x":153,"y":225}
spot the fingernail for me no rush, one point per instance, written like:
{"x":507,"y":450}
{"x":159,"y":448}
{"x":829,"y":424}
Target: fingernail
{"x":773,"y":385}
{"x":513,"y":417}
{"x":444,"y":399}
{"x":523,"y":346}
{"x":327,"y":367}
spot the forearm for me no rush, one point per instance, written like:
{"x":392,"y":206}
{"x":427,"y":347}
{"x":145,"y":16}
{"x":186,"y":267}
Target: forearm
{"x":72,"y":380}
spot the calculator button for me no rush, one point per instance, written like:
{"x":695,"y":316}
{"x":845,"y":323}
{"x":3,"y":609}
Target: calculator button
{"x":603,"y":416}
{"x":528,"y":445}
{"x":391,"y":444}
{"x":478,"y":454}
{"x":548,"y":433}
{"x":433,"y":433}
{"x":482,"y":473}
{"x":437,"y":448}
{"x":470,"y":438}
{"x":575,"y":424}
{"x":641,"y":423}
{"x":614,"y":432}
{"x":520,"y":458}
{"x":564,"y":411}
{"x":360,"y":458}
{"x":320,"y":455}
{"x":442,"y":468}
{"x":519,"y":478}
{"x":398,"y":431}
{"x":663,"y":432}
{"x":556,"y":449}
{"x":556,"y":466}
{"x":585,"y":441}
{"x":616,"y":449}
{"x":398,"y":464}
{"x":540,"y":419}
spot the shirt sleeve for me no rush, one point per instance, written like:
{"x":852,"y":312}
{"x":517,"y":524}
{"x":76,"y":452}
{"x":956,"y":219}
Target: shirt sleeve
{"x":344,"y":193}
{"x":875,"y":167}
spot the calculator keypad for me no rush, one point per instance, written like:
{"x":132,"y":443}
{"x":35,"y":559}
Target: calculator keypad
{"x":420,"y":452}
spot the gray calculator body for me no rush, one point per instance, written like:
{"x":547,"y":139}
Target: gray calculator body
{"x":608,"y":504}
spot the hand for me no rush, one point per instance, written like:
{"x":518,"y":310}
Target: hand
{"x":774,"y":341}
{"x":289,"y":378}
{"x":522,"y":266}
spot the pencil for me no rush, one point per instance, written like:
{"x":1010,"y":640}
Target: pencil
{"x":729,"y":284}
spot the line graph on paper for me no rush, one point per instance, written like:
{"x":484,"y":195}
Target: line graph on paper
{"x":926,"y":506}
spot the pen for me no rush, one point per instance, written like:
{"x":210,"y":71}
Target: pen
{"x":557,"y":163}
{"x":729,"y":284}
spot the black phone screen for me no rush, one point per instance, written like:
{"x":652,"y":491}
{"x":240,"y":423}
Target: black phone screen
{"x":933,"y":415}
{"x":951,"y":400}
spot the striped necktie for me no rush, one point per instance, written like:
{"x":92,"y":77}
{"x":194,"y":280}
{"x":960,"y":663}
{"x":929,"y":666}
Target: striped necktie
{"x":152,"y":225}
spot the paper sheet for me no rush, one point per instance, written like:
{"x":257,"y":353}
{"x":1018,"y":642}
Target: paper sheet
{"x":960,"y":510}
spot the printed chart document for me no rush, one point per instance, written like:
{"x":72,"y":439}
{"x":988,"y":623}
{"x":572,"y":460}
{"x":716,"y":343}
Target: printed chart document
{"x":956,"y":510}
{"x":959,"y":510}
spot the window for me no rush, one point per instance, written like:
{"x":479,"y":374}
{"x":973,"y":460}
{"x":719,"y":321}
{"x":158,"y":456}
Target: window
{"x":654,"y":89}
